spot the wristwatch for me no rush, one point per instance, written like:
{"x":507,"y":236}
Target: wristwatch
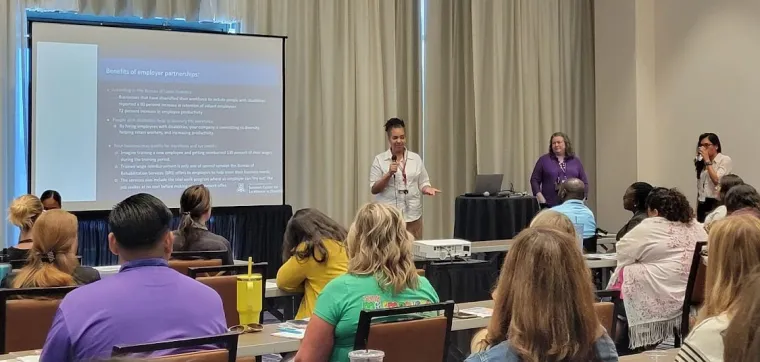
{"x":708,"y":163}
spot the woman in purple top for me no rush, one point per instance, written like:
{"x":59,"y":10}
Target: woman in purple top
{"x":554,"y":168}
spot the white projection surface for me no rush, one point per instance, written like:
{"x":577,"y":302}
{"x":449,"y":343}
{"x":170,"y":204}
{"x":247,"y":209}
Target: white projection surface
{"x":120,"y":111}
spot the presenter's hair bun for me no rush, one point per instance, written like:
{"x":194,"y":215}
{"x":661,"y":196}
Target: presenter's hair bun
{"x":394,"y":123}
{"x":24,"y":210}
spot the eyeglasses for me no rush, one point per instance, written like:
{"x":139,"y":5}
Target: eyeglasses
{"x":705,"y":145}
{"x":246,"y":328}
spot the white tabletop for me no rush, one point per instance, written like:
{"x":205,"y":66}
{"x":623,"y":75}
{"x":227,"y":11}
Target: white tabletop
{"x":271,"y":287}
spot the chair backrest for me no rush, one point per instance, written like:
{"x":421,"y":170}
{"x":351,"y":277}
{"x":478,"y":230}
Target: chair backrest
{"x":605,"y":311}
{"x":214,"y":355}
{"x":695,"y":287}
{"x":222,"y":279}
{"x":419,"y":340}
{"x":228,"y":340}
{"x":24,"y":323}
{"x":182,"y":266}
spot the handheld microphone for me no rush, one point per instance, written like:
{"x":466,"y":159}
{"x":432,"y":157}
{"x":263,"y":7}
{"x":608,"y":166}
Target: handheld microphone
{"x":393,"y":159}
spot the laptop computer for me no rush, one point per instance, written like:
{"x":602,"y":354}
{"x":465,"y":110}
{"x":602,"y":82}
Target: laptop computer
{"x":487,"y":183}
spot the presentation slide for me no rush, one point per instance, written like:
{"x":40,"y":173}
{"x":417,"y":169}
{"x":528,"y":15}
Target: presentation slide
{"x":119,"y":111}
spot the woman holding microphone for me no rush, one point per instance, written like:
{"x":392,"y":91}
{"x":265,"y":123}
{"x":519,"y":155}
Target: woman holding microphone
{"x":710,"y":165}
{"x":554,"y":168}
{"x":399,"y":178}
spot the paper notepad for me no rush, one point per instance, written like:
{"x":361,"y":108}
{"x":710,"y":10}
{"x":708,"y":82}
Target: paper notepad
{"x":35,"y":358}
{"x":478,"y":311}
{"x":290,"y":334}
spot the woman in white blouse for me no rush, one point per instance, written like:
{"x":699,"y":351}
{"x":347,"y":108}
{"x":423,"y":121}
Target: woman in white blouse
{"x":399,"y":178}
{"x":653,"y":266}
{"x":711,"y":165}
{"x":734,"y":252}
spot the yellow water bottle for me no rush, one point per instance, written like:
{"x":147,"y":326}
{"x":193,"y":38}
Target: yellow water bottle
{"x":249,"y":296}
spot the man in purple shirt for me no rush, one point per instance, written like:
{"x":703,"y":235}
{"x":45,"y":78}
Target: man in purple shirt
{"x":145,"y":302}
{"x":554,"y":168}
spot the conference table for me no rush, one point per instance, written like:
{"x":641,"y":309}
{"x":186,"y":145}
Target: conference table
{"x":262,"y":343}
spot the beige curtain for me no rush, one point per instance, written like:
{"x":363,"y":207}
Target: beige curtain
{"x":350,"y":65}
{"x":190,"y":10}
{"x":501,"y":76}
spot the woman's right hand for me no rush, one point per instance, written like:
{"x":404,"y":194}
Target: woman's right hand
{"x":393,"y":169}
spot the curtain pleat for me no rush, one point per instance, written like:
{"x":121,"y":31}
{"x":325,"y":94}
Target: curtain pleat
{"x":501,"y":77}
{"x":349,"y":66}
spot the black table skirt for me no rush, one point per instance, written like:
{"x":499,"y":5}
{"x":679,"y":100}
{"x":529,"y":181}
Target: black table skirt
{"x":492,"y":218}
{"x":255,"y":231}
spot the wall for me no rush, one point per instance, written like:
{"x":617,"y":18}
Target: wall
{"x":667,"y":71}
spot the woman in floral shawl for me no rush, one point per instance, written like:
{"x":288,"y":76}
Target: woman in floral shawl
{"x":653,"y":266}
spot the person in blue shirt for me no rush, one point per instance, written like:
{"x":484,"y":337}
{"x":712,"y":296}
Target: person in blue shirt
{"x":571,"y":193}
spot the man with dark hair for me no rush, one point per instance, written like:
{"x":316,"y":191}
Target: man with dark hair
{"x":741,"y":197}
{"x":571,"y":194}
{"x":145,"y":302}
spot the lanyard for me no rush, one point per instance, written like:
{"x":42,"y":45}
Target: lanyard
{"x":134,"y":264}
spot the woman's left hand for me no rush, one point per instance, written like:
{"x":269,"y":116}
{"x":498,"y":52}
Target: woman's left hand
{"x":430,"y":191}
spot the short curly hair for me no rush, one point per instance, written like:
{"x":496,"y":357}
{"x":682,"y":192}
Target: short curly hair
{"x":670,"y":204}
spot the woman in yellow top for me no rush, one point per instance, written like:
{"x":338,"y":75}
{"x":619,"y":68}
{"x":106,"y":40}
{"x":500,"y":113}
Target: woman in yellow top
{"x":314,"y":252}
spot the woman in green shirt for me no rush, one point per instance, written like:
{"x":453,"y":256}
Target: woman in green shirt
{"x":381,"y":274}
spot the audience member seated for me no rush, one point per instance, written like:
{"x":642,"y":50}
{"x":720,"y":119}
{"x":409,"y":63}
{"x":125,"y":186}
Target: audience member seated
{"x":742,"y":337}
{"x":51,"y":200}
{"x":314,"y":253}
{"x":53,"y":256}
{"x":145,"y":302}
{"x":727,"y":182}
{"x":571,"y":193}
{"x":554,"y":219}
{"x":653,"y":267}
{"x":192,"y":235}
{"x":544,"y":267}
{"x":23,"y":212}
{"x":742,"y":198}
{"x":634,"y":200}
{"x":381,"y":274}
{"x":734,"y":252}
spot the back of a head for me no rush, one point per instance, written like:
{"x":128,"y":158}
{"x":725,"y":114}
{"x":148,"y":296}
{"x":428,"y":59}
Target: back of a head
{"x":670,"y":204}
{"x":640,"y":192}
{"x":742,"y":337}
{"x":740,"y":197}
{"x":727,"y":182}
{"x":555,"y":220}
{"x":734,"y":252}
{"x":545,"y":267}
{"x":312,"y":227}
{"x":139,"y":222}
{"x":572,"y":189}
{"x":378,"y":244}
{"x":52,"y":258}
{"x":24,"y":210}
{"x":194,"y":203}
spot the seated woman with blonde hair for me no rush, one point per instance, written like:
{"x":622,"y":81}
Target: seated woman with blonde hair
{"x":555,"y":220}
{"x":52,"y":259}
{"x":742,"y":337}
{"x":23,"y":212}
{"x":734,"y":252}
{"x":381,"y":274}
{"x":545,"y":267}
